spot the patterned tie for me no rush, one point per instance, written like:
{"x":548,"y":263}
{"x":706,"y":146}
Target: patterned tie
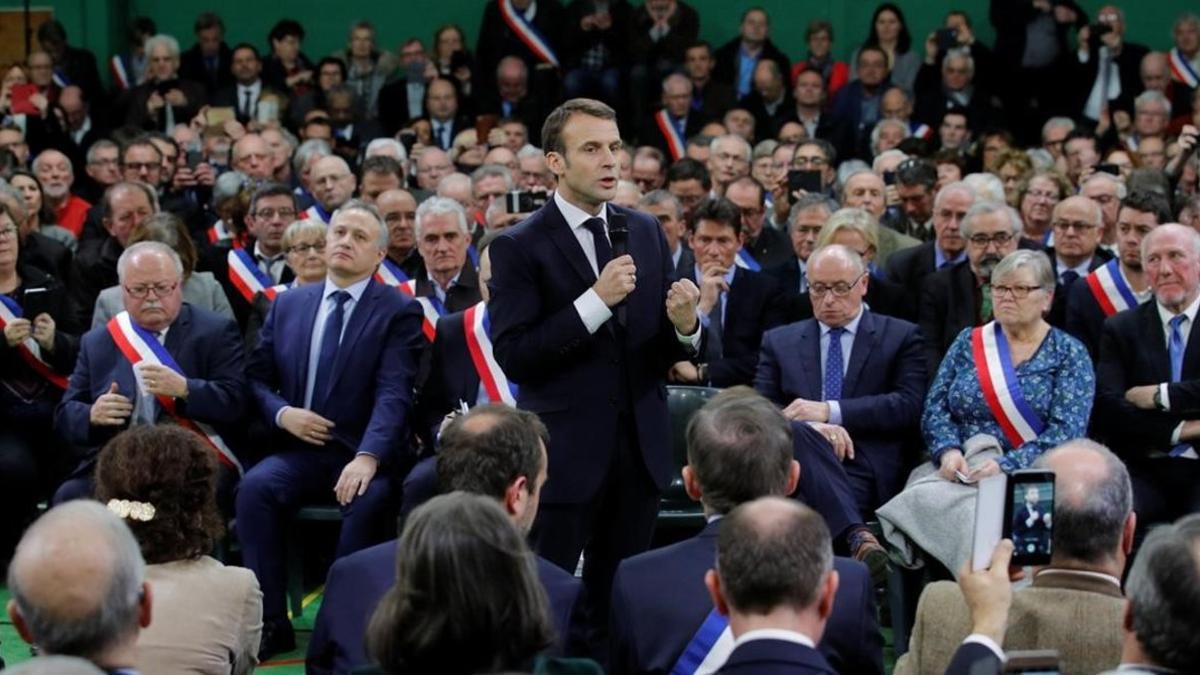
{"x":833,"y":365}
{"x":1175,"y":349}
{"x":603,"y":248}
{"x":330,"y":341}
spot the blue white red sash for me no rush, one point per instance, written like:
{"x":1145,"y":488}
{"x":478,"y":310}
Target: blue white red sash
{"x":921,"y":131}
{"x":433,"y":309}
{"x":121,"y":74}
{"x":527,"y":33}
{"x":747,"y":261}
{"x":245,"y":276}
{"x":219,"y":233}
{"x":315,"y":212}
{"x":1110,"y":289}
{"x":139,"y":346}
{"x":478,"y":329}
{"x":1182,"y":69}
{"x":708,"y":649}
{"x":675,"y":143}
{"x":60,"y":78}
{"x":1001,"y":390}
{"x":29,"y":350}
{"x":389,"y":273}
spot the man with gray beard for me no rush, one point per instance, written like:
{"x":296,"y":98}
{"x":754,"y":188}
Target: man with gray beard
{"x":959,"y":296}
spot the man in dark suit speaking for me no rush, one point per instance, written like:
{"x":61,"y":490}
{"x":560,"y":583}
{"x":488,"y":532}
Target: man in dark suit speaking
{"x":334,"y":369}
{"x":577,"y":308}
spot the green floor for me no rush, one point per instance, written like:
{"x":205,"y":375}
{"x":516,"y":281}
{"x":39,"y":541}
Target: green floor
{"x":14,"y":649}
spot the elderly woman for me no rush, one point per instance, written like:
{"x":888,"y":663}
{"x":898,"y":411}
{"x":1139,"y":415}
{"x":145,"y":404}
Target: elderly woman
{"x":41,"y":216}
{"x":200,"y":289}
{"x":1006,"y":392}
{"x":35,"y":360}
{"x":425,"y":624}
{"x":1037,"y":197}
{"x":304,"y":243}
{"x":859,"y":231}
{"x":207,"y":616}
{"x":163,"y":100}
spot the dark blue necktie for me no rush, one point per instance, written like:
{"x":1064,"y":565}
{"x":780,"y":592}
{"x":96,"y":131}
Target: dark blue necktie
{"x":1067,"y":278}
{"x":330,"y":341}
{"x":1175,"y":349}
{"x":603,"y":248}
{"x":833,"y":365}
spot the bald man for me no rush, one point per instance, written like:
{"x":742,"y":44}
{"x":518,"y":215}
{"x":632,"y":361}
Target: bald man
{"x":669,"y":128}
{"x":253,"y":157}
{"x":332,"y":185}
{"x":78,"y":586}
{"x":399,"y":211}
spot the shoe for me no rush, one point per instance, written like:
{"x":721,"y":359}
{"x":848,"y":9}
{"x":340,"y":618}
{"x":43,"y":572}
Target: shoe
{"x":277,"y":638}
{"x":865,"y":548}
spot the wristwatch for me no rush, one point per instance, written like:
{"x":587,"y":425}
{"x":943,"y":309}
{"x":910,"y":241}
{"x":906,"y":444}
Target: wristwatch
{"x":1158,"y":402}
{"x":702,"y":373}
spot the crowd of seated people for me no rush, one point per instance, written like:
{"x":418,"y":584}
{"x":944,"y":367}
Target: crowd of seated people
{"x":239,"y":280}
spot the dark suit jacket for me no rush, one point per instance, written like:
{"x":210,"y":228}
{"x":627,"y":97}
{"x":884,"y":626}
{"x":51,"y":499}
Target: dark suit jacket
{"x":577,"y":41}
{"x":393,"y":106}
{"x":357,"y":583}
{"x":451,"y":377}
{"x":206,"y":346}
{"x":1085,"y":318}
{"x":829,"y":128}
{"x":910,"y":266}
{"x":766,"y":123}
{"x":370,"y":392}
{"x":47,"y":255}
{"x":1128,"y":64}
{"x":215,"y":259}
{"x":797,"y":305}
{"x":847,"y":106}
{"x":461,"y":295}
{"x":775,"y":657}
{"x":228,"y":96}
{"x":932,"y":101}
{"x":659,"y":601}
{"x":457,"y":125}
{"x":497,"y":40}
{"x":883,"y":390}
{"x":973,"y":658}
{"x":752,"y":308}
{"x":947,"y":306}
{"x":95,"y":270}
{"x":1058,"y":308}
{"x":651,"y":135}
{"x":1133,"y":352}
{"x":728,"y":59}
{"x":714,"y":100}
{"x":138,"y":116}
{"x":771,"y":248}
{"x":191,"y":67}
{"x":687,"y":262}
{"x":685,"y":29}
{"x":542,"y":344}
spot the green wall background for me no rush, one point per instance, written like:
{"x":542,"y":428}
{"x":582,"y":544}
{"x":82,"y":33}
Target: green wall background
{"x":99,"y":24}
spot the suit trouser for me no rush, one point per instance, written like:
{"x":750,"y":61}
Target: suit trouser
{"x":275,"y":488}
{"x":1164,"y":489}
{"x":824,"y":485}
{"x":618,"y":522}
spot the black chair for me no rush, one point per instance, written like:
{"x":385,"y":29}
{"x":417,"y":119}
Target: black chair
{"x":675,"y":508}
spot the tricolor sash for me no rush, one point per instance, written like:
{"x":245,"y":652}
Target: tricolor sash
{"x":1110,"y":289}
{"x":60,"y":78}
{"x":998,"y":380}
{"x":747,"y":261}
{"x":389,"y":273}
{"x":922,"y":131}
{"x":245,"y":276}
{"x":433,"y":309}
{"x":708,"y":649}
{"x":1182,"y":69}
{"x":316,"y":213}
{"x":219,"y":233}
{"x":478,"y":329}
{"x":675,"y":144}
{"x":29,"y":350}
{"x":139,"y":346}
{"x":527,"y":33}
{"x":120,"y":73}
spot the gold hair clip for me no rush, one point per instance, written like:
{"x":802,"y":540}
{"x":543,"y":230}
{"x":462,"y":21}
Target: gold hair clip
{"x":131,"y":510}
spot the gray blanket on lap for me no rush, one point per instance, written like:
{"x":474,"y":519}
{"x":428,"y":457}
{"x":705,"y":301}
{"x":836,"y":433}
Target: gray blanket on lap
{"x":935,"y":515}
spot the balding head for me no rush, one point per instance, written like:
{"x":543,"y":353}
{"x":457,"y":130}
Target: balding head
{"x":78,"y":584}
{"x":1093,"y":503}
{"x":252,"y":156}
{"x":1156,"y":73}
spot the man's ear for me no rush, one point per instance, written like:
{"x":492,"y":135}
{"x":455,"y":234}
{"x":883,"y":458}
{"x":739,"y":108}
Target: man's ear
{"x":712,"y":581}
{"x":828,"y":593}
{"x":19,"y":622}
{"x":145,"y":604}
{"x":1127,"y":533}
{"x":794,"y":470}
{"x":691,"y":484}
{"x":516,"y":496}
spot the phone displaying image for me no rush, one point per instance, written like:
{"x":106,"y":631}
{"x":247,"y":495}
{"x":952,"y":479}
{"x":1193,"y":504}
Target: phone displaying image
{"x":802,"y":179}
{"x":519,"y":201}
{"x":1029,"y":516}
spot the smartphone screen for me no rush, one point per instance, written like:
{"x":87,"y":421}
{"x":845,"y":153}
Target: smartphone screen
{"x":1029,"y":516}
{"x":809,"y":181}
{"x":34,"y":302}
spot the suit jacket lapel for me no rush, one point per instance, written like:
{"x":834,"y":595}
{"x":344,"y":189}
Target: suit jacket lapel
{"x":363,"y":310}
{"x":300,"y":353}
{"x":810,"y":353}
{"x":177,"y":332}
{"x":560,"y":233}
{"x":864,"y":343}
{"x":1154,"y":341}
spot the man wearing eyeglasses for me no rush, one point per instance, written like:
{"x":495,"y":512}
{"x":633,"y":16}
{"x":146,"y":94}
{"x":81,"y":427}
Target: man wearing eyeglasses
{"x":1106,"y":292}
{"x":107,"y":393}
{"x":1078,"y":224}
{"x":124,"y":207}
{"x":855,"y":375}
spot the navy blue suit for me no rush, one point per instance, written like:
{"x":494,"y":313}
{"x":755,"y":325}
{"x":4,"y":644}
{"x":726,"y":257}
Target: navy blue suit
{"x":972,"y":658}
{"x":357,"y":582}
{"x":601,"y":395}
{"x":775,"y":657}
{"x":883,"y":392}
{"x":659,"y":602}
{"x":207,"y":348}
{"x":370,"y":395}
{"x":752,"y":307}
{"x":823,"y":483}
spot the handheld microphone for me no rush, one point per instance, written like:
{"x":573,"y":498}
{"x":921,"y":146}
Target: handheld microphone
{"x":618,"y":236}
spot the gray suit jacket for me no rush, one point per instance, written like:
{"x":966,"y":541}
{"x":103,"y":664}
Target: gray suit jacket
{"x":891,"y":241}
{"x":1077,"y":614}
{"x":200,"y":290}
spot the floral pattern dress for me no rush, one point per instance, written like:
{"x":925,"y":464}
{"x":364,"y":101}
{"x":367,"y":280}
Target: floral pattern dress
{"x":1057,"y":382}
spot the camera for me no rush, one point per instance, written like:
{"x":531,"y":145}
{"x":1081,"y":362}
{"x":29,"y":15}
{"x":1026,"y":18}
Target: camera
{"x":520,"y":201}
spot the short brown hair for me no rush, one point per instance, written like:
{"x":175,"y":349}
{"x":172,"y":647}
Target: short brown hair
{"x":556,"y":120}
{"x":174,"y":471}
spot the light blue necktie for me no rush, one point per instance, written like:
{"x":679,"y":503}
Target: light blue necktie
{"x":1175,"y":350}
{"x":833,"y":365}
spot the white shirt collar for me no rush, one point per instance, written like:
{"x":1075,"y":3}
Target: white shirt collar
{"x":1165,"y":315}
{"x":1082,"y":269}
{"x":851,"y":328}
{"x":355,"y":289}
{"x":259,"y":253}
{"x":775,"y":634}
{"x":576,"y":216}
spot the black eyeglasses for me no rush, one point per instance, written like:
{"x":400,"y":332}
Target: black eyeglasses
{"x":982,"y":240}
{"x":840,"y":289}
{"x":142,"y":291}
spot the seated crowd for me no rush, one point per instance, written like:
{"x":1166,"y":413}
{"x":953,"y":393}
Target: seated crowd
{"x":420,"y":287}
